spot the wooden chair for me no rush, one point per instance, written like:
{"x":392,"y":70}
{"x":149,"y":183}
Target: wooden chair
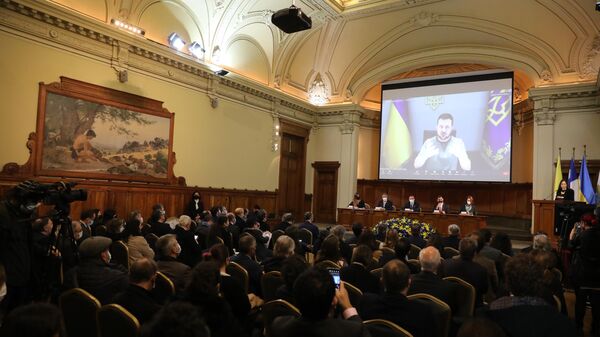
{"x":441,"y":312}
{"x":79,"y":308}
{"x":466,"y":298}
{"x":388,"y":250}
{"x":120,"y":253}
{"x":274,"y":236}
{"x":415,"y":264}
{"x":377,"y":272}
{"x":151,"y":238}
{"x":327,"y":264}
{"x":384,"y":328}
{"x":274,"y":309}
{"x":164,"y":288}
{"x":306,"y":236}
{"x":414,"y":251}
{"x":239,"y":273}
{"x":269,"y":283}
{"x":450,"y":252}
{"x":354,"y":293}
{"x":116,"y":321}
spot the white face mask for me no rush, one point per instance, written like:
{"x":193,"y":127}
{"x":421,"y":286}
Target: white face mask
{"x":108,"y":257}
{"x":468,"y":202}
{"x":411,"y":200}
{"x":78,"y":235}
{"x":177,"y":249}
{"x":384,"y":199}
{"x":3,"y":292}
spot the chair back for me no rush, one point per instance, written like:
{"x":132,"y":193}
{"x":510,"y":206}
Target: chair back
{"x":269,"y":283}
{"x":79,"y":308}
{"x":377,"y":272}
{"x":151,"y":238}
{"x":116,"y":321}
{"x":327,"y":264}
{"x":274,"y":236}
{"x":164,"y":288}
{"x":238,"y":273}
{"x":385,"y":328}
{"x":120,"y":253}
{"x":354,"y":293}
{"x":274,"y":309}
{"x":442,"y":313}
{"x":305,"y":235}
{"x":415,"y":264}
{"x":388,"y":250}
{"x":414,"y":251}
{"x":466,"y":297}
{"x":450,"y":252}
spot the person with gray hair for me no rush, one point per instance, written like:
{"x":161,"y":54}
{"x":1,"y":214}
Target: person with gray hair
{"x":453,"y":237}
{"x":286,"y":221}
{"x":345,"y":249}
{"x":167,"y":250}
{"x":540,"y":241}
{"x":284,"y":248}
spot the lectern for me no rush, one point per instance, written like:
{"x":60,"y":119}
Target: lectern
{"x":556,"y":217}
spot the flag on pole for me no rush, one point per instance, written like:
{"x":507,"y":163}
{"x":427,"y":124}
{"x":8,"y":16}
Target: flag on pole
{"x":573,"y":179}
{"x":396,"y":144}
{"x":587,"y":190}
{"x":557,"y":176}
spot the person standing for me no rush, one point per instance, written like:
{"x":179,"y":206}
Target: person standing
{"x":564,"y":192}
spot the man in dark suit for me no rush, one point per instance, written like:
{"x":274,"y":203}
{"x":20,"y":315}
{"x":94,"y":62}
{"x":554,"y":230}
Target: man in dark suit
{"x":167,"y":251}
{"x":394,"y":306}
{"x":357,"y":229}
{"x":87,"y":220}
{"x":453,"y":237}
{"x":386,"y":203}
{"x":428,"y":282}
{"x":412,"y":204}
{"x":308,"y":219}
{"x":464,"y":268}
{"x":357,"y":272}
{"x":137,"y":299}
{"x":247,"y":259}
{"x":441,"y":207}
{"x":316,"y":297}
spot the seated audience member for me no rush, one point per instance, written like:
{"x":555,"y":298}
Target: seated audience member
{"x":33,"y":320}
{"x":230,"y":288}
{"x":291,"y":268}
{"x":262,"y":216}
{"x":386,"y":203}
{"x":78,"y":232}
{"x":487,"y":250}
{"x":479,"y":327}
{"x":488,"y":264}
{"x":412,"y":204}
{"x":137,"y":299}
{"x":95,"y":274}
{"x":240,"y":218}
{"x":308,"y":224}
{"x":284,"y":248}
{"x":524,"y":313}
{"x":415,"y":237}
{"x":463,"y":267}
{"x":393,"y":305}
{"x":203,"y":292}
{"x":501,"y":241}
{"x":435,"y":240}
{"x":345,"y":248}
{"x":218,"y":231}
{"x":391,"y":239}
{"x":367,"y":237}
{"x":136,"y":243}
{"x":191,"y":252}
{"x":428,"y":281}
{"x":357,"y":273}
{"x":453,"y":237}
{"x":109,"y":214}
{"x":551,"y":282}
{"x":357,"y":229}
{"x":357,"y":202}
{"x":136,"y":216}
{"x":158,"y":223}
{"x":330,"y":250}
{"x":380,"y":231}
{"x":195,"y":207}
{"x":286,"y":221}
{"x":316,"y":297}
{"x":177,"y":319}
{"x":261,"y":238}
{"x":114,"y":229}
{"x":86,"y":219}
{"x":247,"y":259}
{"x":167,"y":251}
{"x":234,"y":230}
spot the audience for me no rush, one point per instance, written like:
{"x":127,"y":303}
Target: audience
{"x":357,"y":230}
{"x":501,"y":241}
{"x":218,"y":233}
{"x":167,"y":251}
{"x":114,"y":229}
{"x":286,"y":221}
{"x":240,"y":219}
{"x":339,"y":231}
{"x":330,"y":251}
{"x":158,"y":223}
{"x":291,"y":268}
{"x":551,"y":282}
{"x":357,"y":273}
{"x":488,"y":264}
{"x":368,"y":238}
{"x":415,"y":237}
{"x":33,"y":320}
{"x":487,"y":250}
{"x":138,"y":246}
{"x":307,"y":224}
{"x":137,"y":298}
{"x":253,"y":228}
{"x":453,"y":237}
{"x":247,"y":259}
{"x":190,"y":249}
{"x":465,"y":268}
{"x":177,"y":319}
{"x":284,"y":248}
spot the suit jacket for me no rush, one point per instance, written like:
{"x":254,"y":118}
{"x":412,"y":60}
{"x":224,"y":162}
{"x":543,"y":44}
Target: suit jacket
{"x":429,"y":283}
{"x":444,"y":207}
{"x":139,"y":302}
{"x":312,"y":228}
{"x":176,"y":271}
{"x":389,"y":205}
{"x":416,"y":206}
{"x":190,"y":249}
{"x":288,"y":326}
{"x":194,"y":209}
{"x":254,"y":272}
{"x":451,"y":241}
{"x":357,"y":275}
{"x":470,"y":272}
{"x":413,"y":316}
{"x":102,"y":280}
{"x":161,"y":228}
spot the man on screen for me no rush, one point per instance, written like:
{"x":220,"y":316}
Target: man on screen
{"x":443,"y":151}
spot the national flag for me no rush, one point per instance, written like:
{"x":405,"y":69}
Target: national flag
{"x":573,"y":179}
{"x":396,"y":144}
{"x":557,"y":175}
{"x":497,"y":129}
{"x":587,"y":190}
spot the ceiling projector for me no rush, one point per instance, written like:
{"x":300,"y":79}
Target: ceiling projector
{"x":291,"y":20}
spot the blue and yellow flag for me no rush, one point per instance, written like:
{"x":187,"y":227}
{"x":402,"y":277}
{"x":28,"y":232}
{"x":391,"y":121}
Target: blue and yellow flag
{"x":396,"y":144}
{"x":587,"y":190}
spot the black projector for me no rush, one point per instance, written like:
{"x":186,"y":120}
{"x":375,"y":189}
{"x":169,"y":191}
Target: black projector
{"x":291,"y":20}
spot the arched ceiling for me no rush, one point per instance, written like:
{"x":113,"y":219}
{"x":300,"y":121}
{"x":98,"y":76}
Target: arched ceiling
{"x":355,"y":45}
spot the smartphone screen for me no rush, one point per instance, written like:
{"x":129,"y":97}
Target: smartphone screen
{"x":335,"y":273}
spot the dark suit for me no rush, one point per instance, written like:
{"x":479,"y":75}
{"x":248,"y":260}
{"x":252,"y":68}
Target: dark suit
{"x":357,"y":275}
{"x":288,"y":326}
{"x":194,"y":209}
{"x":161,"y":228}
{"x":413,"y":316}
{"x":176,"y":271}
{"x":429,"y":283}
{"x":139,"y":302}
{"x":445,"y":208}
{"x":451,"y":241}
{"x":568,"y":196}
{"x":473,"y":211}
{"x":389,"y":205}
{"x":415,"y":207}
{"x":254,"y":272}
{"x":312,"y":228}
{"x":470,"y":272}
{"x":102,"y":280}
{"x":191,"y":252}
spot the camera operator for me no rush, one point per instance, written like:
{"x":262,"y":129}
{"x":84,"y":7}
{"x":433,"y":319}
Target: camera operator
{"x":45,"y":259}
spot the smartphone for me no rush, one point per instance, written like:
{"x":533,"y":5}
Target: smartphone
{"x":335,"y":273}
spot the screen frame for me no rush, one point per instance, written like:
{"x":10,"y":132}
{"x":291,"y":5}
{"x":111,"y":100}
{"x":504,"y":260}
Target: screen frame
{"x":442,"y":80}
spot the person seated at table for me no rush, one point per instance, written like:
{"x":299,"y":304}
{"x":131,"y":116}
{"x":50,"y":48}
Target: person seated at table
{"x":468,"y":208}
{"x":564,"y":192}
{"x":357,"y":202}
{"x":441,"y":207}
{"x":412,"y":204}
{"x":386,"y":203}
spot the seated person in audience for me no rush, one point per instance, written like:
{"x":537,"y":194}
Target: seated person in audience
{"x":234,"y":230}
{"x":393,"y":305}
{"x":465,"y":268}
{"x":284,"y":248}
{"x":468,"y":208}
{"x":357,"y":229}
{"x":167,"y":251}
{"x":230,"y":288}
{"x":415,"y":237}
{"x":386,"y":203}
{"x":316,"y":297}
{"x":357,"y":202}
{"x":261,"y":238}
{"x":330,"y":250}
{"x":262,"y":217}
{"x":488,"y":264}
{"x":292,"y":267}
{"x":109,"y":214}
{"x":381,"y":230}
{"x":136,"y":217}
{"x":77,"y":232}
{"x":137,"y":299}
{"x":95,"y":274}
{"x":412,"y":204}
{"x":240,"y":218}
{"x":286,"y":221}
{"x":487,"y":250}
{"x":177,"y":319}
{"x":308,"y":224}
{"x":429,"y":282}
{"x":219,"y":232}
{"x":401,"y":250}
{"x":247,"y":259}
{"x":33,"y":320}
{"x":441,"y":207}
{"x":203,"y":292}
{"x":357,"y":273}
{"x":115,"y":229}
{"x":345,"y":249}
{"x":502,"y":242}
{"x":436,"y":241}
{"x":86,"y":220}
{"x":453,"y":237}
{"x":137,"y":245}
{"x":158,"y":223}
{"x":367,"y":237}
{"x":551,"y":283}
{"x":191,"y":252}
{"x":524,"y":313}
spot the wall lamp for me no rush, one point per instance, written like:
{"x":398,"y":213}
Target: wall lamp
{"x":176,"y":41}
{"x":196,"y":49}
{"x":128,"y":27}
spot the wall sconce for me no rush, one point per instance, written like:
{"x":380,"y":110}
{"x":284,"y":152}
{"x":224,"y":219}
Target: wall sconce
{"x":128,"y":27}
{"x":275,"y":137}
{"x":176,"y":41}
{"x":196,"y":49}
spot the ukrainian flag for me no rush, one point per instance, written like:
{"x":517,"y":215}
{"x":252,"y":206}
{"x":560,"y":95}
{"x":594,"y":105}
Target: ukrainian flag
{"x":396,"y":142}
{"x":587,"y":190}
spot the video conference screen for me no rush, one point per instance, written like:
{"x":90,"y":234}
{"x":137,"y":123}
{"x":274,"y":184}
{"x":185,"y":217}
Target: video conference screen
{"x":447,"y":129}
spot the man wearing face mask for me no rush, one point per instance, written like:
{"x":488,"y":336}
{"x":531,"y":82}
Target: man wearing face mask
{"x":87,"y":220}
{"x":386,"y":203}
{"x":441,"y":207}
{"x":167,"y":250}
{"x":412,"y":204}
{"x":195,"y":207}
{"x":95,"y":274}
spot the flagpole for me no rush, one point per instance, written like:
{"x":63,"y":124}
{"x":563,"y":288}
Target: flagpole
{"x":573,"y":154}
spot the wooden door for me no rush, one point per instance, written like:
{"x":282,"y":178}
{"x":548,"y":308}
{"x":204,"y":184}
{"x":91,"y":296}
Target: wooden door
{"x":325,"y":191}
{"x":292,"y":169}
